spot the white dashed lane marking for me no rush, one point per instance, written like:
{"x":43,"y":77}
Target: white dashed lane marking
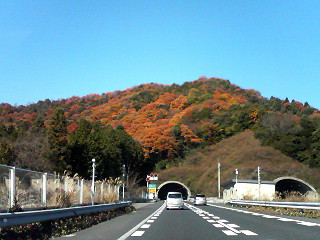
{"x":229,"y":233}
{"x":137,"y":234}
{"x":222,"y":224}
{"x":309,"y":224}
{"x":146,"y":224}
{"x":248,"y":233}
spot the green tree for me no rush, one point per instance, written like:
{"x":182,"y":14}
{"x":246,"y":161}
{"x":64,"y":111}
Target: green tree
{"x":80,"y":159}
{"x":58,"y":153}
{"x":314,"y":160}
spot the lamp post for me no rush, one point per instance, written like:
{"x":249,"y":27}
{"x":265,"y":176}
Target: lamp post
{"x":236,"y":187}
{"x":92,"y":186}
{"x":123,"y":180}
{"x":236,"y":171}
{"x":259,"y":182}
{"x":219,"y":167}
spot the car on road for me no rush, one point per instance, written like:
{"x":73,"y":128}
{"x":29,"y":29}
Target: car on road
{"x":174,"y":200}
{"x":200,"y":199}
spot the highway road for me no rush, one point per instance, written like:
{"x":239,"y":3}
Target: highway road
{"x":214,"y":221}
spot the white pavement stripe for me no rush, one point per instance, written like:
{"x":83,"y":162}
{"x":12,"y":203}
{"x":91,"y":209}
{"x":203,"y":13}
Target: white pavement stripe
{"x":308,"y":224}
{"x":217,"y":225}
{"x":211,"y":221}
{"x":286,"y":220}
{"x":205,"y":217}
{"x":248,"y":233}
{"x":127,"y":234}
{"x":230,"y":228}
{"x":150,"y":221}
{"x":269,"y":216}
{"x":154,"y":218}
{"x":223,"y":221}
{"x":233,"y":225}
{"x":145,"y":226}
{"x":229,"y":233}
{"x":137,"y":234}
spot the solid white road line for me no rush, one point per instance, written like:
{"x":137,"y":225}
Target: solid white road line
{"x":134,"y":229}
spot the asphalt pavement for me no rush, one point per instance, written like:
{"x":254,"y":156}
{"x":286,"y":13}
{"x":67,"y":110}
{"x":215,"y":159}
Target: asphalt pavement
{"x":214,"y":221}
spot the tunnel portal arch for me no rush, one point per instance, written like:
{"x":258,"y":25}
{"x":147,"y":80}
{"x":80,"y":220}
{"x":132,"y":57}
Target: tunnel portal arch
{"x":172,"y":186}
{"x":292,"y":184}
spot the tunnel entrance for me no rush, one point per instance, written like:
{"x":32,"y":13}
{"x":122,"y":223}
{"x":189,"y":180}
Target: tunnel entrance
{"x":173,"y":186}
{"x":285,"y":185}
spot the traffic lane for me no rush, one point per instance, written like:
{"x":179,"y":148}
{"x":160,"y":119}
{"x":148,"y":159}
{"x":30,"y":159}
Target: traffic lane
{"x":179,"y":224}
{"x":116,"y":227}
{"x":267,"y":226}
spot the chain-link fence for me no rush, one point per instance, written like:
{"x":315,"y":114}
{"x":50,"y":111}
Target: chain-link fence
{"x":30,"y":189}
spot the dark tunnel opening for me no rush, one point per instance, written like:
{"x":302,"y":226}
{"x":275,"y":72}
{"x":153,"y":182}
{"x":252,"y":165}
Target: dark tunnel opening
{"x":172,"y":187}
{"x":285,"y":186}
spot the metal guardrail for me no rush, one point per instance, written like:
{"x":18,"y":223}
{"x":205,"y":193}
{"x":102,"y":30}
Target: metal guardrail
{"x":300,"y":205}
{"x":17,"y":218}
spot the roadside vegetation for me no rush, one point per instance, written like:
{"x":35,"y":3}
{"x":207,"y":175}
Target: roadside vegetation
{"x":284,"y":211}
{"x":63,"y":226}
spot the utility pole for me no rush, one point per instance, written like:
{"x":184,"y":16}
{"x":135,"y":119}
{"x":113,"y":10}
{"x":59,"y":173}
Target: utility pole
{"x":236,"y":185}
{"x":92,"y":186}
{"x":123,"y":179}
{"x":259,"y":182}
{"x":236,"y":170}
{"x":219,"y":166}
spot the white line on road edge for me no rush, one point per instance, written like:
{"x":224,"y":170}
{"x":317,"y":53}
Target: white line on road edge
{"x":128,"y":234}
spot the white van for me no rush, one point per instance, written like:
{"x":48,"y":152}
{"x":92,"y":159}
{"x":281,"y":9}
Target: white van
{"x":174,"y":200}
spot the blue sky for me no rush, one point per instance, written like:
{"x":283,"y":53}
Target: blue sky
{"x":58,"y":49}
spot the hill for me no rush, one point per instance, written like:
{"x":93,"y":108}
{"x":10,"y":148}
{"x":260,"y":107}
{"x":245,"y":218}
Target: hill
{"x":243,"y":151}
{"x":152,"y":124}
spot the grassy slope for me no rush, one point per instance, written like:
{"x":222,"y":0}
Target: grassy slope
{"x":242,"y":151}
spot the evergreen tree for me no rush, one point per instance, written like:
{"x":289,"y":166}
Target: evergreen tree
{"x":80,"y":158}
{"x":315,"y":149}
{"x":58,"y":152}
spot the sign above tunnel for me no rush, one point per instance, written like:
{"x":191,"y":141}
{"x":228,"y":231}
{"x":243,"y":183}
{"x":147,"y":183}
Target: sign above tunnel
{"x":153,"y":176}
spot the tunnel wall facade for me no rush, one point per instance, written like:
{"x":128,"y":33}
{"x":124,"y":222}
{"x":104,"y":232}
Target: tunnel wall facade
{"x":172,"y":186}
